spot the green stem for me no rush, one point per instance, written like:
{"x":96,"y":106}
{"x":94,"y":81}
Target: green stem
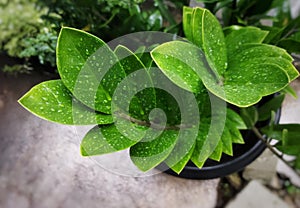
{"x":272,"y":149}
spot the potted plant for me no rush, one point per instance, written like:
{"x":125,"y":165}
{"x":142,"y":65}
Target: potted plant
{"x":171,"y":103}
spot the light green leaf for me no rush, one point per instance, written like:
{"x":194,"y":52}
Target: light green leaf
{"x":227,"y":142}
{"x":235,"y":119}
{"x":153,"y":149}
{"x":236,"y":135}
{"x":52,"y":101}
{"x":256,"y":54}
{"x":289,"y":90}
{"x":196,"y":26}
{"x":88,"y":68}
{"x":178,"y":167}
{"x":187,"y":19}
{"x":217,"y":153}
{"x":243,"y":35}
{"x":109,"y":138}
{"x":182,"y":151}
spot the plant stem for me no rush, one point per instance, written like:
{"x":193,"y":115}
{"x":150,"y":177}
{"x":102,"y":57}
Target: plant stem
{"x":271,"y":148}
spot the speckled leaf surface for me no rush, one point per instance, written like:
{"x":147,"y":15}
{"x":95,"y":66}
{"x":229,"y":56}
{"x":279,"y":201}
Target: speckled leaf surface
{"x":186,"y":19}
{"x":52,"y":101}
{"x":88,"y":68}
{"x":151,"y":151}
{"x":244,"y":84}
{"x":203,"y":29}
{"x":242,"y":35}
{"x":145,"y":100}
{"x":108,"y":138}
{"x":175,"y":61}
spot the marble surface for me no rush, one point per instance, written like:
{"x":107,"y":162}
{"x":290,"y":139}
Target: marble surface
{"x":41,"y":167}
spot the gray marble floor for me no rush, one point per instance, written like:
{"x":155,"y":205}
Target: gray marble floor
{"x":41,"y":167}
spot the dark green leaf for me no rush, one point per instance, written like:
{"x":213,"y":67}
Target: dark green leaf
{"x":111,"y":138}
{"x":175,"y":60}
{"x":266,"y":109}
{"x":88,"y":68}
{"x":250,"y":116}
{"x":52,"y":101}
{"x":153,"y":149}
{"x":243,"y":35}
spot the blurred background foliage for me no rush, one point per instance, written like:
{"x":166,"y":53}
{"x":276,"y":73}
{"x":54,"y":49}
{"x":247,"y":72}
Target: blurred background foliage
{"x":29,"y":28}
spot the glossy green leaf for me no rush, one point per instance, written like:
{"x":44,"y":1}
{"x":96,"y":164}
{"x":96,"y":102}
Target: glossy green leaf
{"x":187,"y":20}
{"x":243,"y":35}
{"x":175,"y":61}
{"x":217,"y":153}
{"x":235,"y":119}
{"x":153,"y":149}
{"x":52,"y":101}
{"x":137,"y":74}
{"x":208,"y":35}
{"x":196,"y":26}
{"x":208,"y":139}
{"x":109,"y":138}
{"x":178,"y":167}
{"x":227,"y":142}
{"x":239,"y":87}
{"x":235,"y":133}
{"x":255,"y":54}
{"x":266,"y":109}
{"x":183,"y":149}
{"x":88,"y":68}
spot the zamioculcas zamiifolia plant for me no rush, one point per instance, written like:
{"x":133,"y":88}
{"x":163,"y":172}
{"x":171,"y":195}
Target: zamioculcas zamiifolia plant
{"x":186,"y":100}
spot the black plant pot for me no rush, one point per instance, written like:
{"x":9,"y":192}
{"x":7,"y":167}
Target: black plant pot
{"x":244,"y":154}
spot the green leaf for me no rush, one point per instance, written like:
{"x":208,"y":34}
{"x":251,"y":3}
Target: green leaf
{"x":236,"y":135}
{"x":187,"y":19}
{"x":183,"y":149}
{"x":153,"y":149}
{"x":88,"y":68}
{"x":52,"y":101}
{"x":227,"y":142}
{"x":137,"y":75}
{"x":208,"y":35}
{"x":250,"y":116}
{"x":292,"y":136}
{"x":266,"y":109}
{"x":208,"y":139}
{"x":239,"y":87}
{"x":289,"y":90}
{"x":217,"y":153}
{"x":174,"y":59}
{"x":177,"y":168}
{"x":235,"y":119}
{"x":196,"y":26}
{"x":109,"y":138}
{"x":243,"y":35}
{"x":255,"y":54}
